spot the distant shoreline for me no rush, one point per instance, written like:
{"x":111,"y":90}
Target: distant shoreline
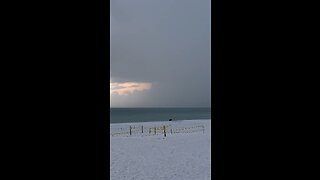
{"x":136,"y":122}
{"x":122,"y":115}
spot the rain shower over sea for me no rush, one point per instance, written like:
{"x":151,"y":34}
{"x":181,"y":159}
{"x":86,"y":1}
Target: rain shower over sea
{"x":126,"y":115}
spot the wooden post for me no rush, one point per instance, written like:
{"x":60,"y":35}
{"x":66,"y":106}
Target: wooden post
{"x":155,"y":130}
{"x":164,"y":130}
{"x":171,"y":130}
{"x":142,"y":129}
{"x":203,"y":128}
{"x":149,"y":130}
{"x":130,"y":130}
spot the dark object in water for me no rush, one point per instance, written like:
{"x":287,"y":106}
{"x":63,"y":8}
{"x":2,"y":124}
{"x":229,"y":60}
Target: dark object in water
{"x":170,"y":119}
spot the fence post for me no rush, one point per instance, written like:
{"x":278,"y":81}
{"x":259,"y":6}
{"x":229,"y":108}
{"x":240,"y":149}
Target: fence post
{"x":164,"y":130}
{"x":155,"y":130}
{"x":130,"y":130}
{"x":203,"y":128}
{"x":142,"y":129}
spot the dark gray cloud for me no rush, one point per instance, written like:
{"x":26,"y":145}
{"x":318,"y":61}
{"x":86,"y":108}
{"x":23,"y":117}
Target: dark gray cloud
{"x":166,"y":43}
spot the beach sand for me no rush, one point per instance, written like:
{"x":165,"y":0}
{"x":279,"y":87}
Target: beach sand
{"x":183,"y":154}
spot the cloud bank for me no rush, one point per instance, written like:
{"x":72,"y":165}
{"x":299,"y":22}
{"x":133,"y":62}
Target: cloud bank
{"x":127,"y":88}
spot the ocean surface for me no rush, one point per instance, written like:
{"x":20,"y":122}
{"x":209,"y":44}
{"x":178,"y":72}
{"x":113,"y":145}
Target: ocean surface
{"x":125,"y":115}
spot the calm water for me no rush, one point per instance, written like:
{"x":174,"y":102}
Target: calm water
{"x":123,"y":115}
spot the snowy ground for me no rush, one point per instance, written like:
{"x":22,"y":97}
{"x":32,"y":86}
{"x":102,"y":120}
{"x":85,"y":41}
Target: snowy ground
{"x":183,"y":154}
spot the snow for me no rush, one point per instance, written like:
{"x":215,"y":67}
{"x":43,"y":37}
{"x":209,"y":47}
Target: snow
{"x":183,"y":154}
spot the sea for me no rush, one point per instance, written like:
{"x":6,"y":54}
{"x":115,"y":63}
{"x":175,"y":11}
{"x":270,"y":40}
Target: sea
{"x":126,"y":115}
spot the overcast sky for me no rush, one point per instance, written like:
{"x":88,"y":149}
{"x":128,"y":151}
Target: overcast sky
{"x":160,"y":53}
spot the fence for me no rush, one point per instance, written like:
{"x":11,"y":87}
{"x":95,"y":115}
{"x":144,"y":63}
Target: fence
{"x":164,"y":130}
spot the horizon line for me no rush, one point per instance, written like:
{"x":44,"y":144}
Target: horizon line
{"x":167,"y":107}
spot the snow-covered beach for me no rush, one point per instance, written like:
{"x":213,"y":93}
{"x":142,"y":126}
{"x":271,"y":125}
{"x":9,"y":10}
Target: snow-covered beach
{"x":175,"y":150}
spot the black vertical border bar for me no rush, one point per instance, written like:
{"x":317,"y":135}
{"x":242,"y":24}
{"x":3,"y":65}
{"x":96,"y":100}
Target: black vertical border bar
{"x":216,"y":92}
{"x":103,"y":84}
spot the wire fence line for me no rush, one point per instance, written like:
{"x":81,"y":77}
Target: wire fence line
{"x":156,"y":130}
